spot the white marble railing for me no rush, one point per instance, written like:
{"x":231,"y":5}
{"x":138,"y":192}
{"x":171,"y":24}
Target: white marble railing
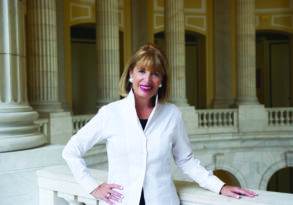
{"x":280,"y":119}
{"x":217,"y":118}
{"x":214,"y":120}
{"x":280,"y":116}
{"x":79,"y":121}
{"x":57,"y":182}
{"x":43,"y":126}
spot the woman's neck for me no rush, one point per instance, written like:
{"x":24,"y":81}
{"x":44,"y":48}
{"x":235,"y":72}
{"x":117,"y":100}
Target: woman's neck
{"x":143,"y":107}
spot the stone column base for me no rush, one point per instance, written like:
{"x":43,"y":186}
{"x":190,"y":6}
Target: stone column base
{"x":44,"y":108}
{"x":17,"y":128}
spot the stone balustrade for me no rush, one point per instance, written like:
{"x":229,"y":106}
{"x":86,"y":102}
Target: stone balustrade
{"x":220,"y":120}
{"x":79,"y":121}
{"x":57,"y":184}
{"x":214,"y":120}
{"x":280,"y":117}
{"x":217,"y":118}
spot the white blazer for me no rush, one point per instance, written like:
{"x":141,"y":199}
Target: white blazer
{"x":138,"y":158}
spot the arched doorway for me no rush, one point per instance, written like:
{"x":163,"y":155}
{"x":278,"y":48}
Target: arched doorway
{"x":194,"y":66}
{"x":227,"y":177}
{"x":273,"y":69}
{"x":84,"y":67}
{"x":282,"y":181}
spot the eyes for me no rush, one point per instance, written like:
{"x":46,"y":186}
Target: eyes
{"x":142,"y":70}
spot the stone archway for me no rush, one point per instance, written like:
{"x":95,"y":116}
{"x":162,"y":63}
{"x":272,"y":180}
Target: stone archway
{"x":282,"y":181}
{"x":269,"y":173}
{"x":227,"y":177}
{"x":229,"y":172}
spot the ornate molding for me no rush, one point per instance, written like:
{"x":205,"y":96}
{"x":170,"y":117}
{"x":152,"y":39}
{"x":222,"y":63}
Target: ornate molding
{"x":201,"y":25}
{"x":195,"y":18}
{"x":200,"y":10}
{"x":275,"y":18}
{"x":86,"y":8}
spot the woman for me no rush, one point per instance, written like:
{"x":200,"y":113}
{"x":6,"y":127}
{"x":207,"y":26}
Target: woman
{"x":142,"y":132}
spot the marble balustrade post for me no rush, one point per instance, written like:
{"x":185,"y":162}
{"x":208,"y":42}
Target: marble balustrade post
{"x":17,"y":128}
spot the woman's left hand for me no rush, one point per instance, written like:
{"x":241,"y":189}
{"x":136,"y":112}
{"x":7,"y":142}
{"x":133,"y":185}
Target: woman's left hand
{"x":236,"y":192}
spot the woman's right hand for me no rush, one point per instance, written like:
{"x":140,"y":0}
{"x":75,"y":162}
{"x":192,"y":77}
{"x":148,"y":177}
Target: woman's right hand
{"x":107,"y":193}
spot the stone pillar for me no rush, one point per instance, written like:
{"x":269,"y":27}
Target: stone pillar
{"x":291,"y":67}
{"x":141,"y":15}
{"x":246,"y":52}
{"x":252,"y":116}
{"x":42,"y":55}
{"x":17,"y":128}
{"x":223,"y":54}
{"x":60,"y":51}
{"x":107,"y":42}
{"x":175,"y":50}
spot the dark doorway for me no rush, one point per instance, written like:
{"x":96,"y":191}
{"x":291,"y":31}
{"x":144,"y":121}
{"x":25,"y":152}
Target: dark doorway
{"x":273,"y":69}
{"x":282,"y":181}
{"x":84,"y":68}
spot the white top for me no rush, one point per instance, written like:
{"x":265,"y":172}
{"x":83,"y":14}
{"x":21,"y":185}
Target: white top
{"x":138,"y":158}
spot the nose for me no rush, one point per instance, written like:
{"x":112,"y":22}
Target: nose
{"x":148,"y":76}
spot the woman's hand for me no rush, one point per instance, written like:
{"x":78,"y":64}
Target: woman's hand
{"x":236,"y":192}
{"x":106,"y":193}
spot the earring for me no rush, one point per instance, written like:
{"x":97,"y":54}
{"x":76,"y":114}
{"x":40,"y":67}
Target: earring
{"x":160,"y":86}
{"x":130,"y":80}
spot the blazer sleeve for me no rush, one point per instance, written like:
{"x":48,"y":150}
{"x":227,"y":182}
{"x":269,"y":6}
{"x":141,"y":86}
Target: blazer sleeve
{"x":90,"y":134}
{"x":190,"y":166}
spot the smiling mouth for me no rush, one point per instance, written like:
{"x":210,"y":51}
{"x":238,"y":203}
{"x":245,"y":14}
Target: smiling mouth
{"x":145,"y":88}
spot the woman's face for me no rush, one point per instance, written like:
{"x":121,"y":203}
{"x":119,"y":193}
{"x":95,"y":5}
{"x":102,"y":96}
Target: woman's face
{"x":146,"y":82}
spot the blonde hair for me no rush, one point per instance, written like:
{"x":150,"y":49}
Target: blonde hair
{"x":153,"y":58}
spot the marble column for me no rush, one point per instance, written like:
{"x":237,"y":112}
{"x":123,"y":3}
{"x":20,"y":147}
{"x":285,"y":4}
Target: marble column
{"x":252,"y":116}
{"x":291,"y":67}
{"x":42,"y":55}
{"x":175,"y":50}
{"x":223,"y":54}
{"x":141,"y":15}
{"x":107,"y":45}
{"x":246,"y":52}
{"x":60,"y":51}
{"x":17,"y":128}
